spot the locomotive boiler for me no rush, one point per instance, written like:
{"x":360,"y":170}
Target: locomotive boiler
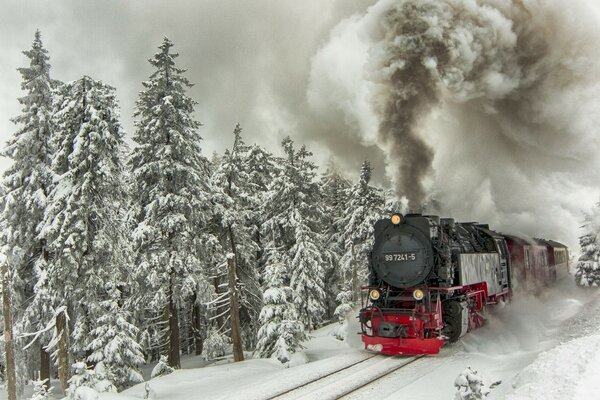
{"x":430,"y":279}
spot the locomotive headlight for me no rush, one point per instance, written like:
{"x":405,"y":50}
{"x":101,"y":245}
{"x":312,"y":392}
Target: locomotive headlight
{"x":418,"y":294}
{"x":374,"y":294}
{"x":396,"y":219}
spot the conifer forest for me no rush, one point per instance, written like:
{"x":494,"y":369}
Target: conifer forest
{"x":118,"y":255}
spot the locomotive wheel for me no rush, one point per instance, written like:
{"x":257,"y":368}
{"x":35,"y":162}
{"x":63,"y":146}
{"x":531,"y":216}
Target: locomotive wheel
{"x":452,"y":327}
{"x":452,"y":308}
{"x":451,"y":317}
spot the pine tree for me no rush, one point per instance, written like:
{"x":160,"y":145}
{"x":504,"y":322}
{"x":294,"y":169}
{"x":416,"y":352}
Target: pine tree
{"x":364,"y":209}
{"x":85,"y":384}
{"x":587,"y":272}
{"x":291,"y":232}
{"x":84,"y":225}
{"x":172,"y":206}
{"x":40,"y":390}
{"x":28,"y":182}
{"x":113,"y":345}
{"x":236,"y":196}
{"x":335,"y":202}
{"x":281,"y":333}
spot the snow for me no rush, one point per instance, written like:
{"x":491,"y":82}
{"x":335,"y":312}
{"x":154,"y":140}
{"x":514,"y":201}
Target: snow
{"x":569,"y":371}
{"x":545,"y":347}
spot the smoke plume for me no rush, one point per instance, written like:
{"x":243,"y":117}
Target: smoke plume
{"x":430,"y":50}
{"x":486,"y":109}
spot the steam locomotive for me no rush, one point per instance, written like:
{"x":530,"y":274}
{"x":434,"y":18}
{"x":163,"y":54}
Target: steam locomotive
{"x":430,"y":279}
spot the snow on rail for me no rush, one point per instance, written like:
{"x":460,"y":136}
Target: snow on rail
{"x":291,"y":378}
{"x":349,"y":380}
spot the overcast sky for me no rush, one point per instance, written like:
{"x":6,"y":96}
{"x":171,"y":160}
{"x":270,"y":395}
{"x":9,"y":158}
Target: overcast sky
{"x":520,"y":152}
{"x":249,"y":60}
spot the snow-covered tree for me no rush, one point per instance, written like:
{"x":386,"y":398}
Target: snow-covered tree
{"x":281,"y":333}
{"x":587,"y":271}
{"x":27,"y":184}
{"x":335,"y":188}
{"x":84,"y":224}
{"x":171,"y":206}
{"x":86,"y":384}
{"x":162,"y":368}
{"x":364,"y":209}
{"x":294,"y":219}
{"x":236,"y":193}
{"x":113,"y":344}
{"x":216,"y":345}
{"x":40,"y":392}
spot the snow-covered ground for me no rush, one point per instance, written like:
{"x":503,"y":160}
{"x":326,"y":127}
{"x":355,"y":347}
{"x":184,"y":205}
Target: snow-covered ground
{"x":545,"y":347}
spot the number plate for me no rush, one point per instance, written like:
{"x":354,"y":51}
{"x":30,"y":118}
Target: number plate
{"x":399,"y":257}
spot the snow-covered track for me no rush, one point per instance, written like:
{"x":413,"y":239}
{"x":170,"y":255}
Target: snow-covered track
{"x":285,"y":381}
{"x":347,"y":380}
{"x":282,"y":393}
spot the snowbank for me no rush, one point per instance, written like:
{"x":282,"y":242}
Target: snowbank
{"x":569,"y":371}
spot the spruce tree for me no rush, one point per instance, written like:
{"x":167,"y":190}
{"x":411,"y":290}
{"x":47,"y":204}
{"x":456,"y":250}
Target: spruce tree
{"x":281,"y":333}
{"x":84,"y":225}
{"x":587,"y":271}
{"x":294,"y":218}
{"x":336,"y":189}
{"x":364,"y":209}
{"x":113,"y":342}
{"x":27,"y":183}
{"x":237,"y":199}
{"x":171,"y":205}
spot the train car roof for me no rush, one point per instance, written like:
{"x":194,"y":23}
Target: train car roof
{"x":489,"y":231}
{"x":521,"y":239}
{"x":554,"y":243}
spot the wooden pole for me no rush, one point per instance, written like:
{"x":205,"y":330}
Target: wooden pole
{"x":8,"y":335}
{"x":238,"y":354}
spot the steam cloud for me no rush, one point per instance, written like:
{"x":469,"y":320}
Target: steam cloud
{"x":486,"y":109}
{"x":428,"y":50}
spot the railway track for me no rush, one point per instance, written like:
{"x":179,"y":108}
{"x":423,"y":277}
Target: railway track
{"x":346,"y":380}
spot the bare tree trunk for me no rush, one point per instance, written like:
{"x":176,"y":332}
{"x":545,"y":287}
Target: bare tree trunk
{"x":197,"y":327}
{"x":354,"y":277}
{"x":174,"y":358}
{"x":238,"y":354}
{"x":8,"y":336}
{"x":45,"y":366}
{"x":63,"y":350}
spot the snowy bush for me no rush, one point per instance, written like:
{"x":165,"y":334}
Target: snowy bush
{"x":215,"y":345}
{"x":587,"y":272}
{"x":86,"y":384}
{"x":344,"y":299}
{"x":40,"y":392}
{"x":469,"y":386}
{"x":162,"y":368}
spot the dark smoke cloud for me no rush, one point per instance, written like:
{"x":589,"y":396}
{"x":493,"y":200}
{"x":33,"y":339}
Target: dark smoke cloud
{"x":486,"y":109}
{"x":428,"y":50}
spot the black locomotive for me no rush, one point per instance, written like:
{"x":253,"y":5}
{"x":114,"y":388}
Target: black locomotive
{"x":430,"y":279}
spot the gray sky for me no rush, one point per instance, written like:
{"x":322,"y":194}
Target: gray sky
{"x":520,"y":151}
{"x":249,"y":60}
